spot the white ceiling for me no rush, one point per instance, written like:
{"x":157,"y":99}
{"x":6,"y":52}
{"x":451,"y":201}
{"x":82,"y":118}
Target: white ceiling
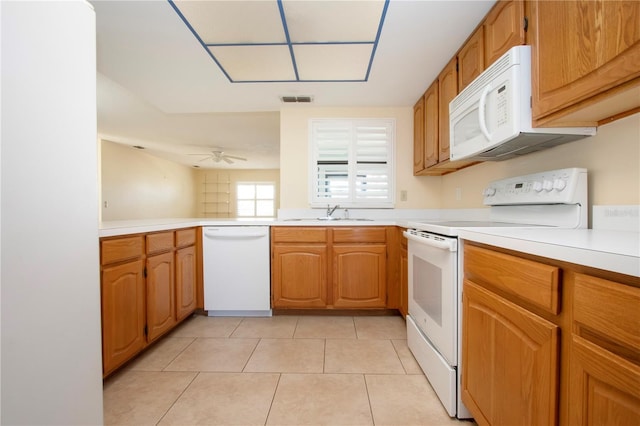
{"x":159,"y":88}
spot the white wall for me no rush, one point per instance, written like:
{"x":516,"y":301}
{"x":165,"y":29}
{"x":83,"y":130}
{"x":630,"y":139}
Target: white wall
{"x":51,"y":350}
{"x":422,"y":191}
{"x":136,"y":185}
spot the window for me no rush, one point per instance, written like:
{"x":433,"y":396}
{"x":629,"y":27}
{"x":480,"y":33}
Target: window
{"x":256,"y":199}
{"x":352,"y":162}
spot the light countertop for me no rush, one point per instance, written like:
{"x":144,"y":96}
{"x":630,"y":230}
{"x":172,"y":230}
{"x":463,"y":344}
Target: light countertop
{"x":617,"y":251}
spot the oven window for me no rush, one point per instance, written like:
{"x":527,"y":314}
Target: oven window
{"x":427,"y":288}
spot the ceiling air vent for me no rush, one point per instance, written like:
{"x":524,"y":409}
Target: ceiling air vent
{"x":296,"y":99}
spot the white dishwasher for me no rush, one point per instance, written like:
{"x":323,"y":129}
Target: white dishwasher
{"x":236,"y":267}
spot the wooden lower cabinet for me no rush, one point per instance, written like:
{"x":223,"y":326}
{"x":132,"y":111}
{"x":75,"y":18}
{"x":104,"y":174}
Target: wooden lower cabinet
{"x":148,"y":285}
{"x":299,"y":275}
{"x":359,"y":276}
{"x":123,"y":313}
{"x":510,"y":371}
{"x":161,"y":315}
{"x":185,"y":282}
{"x":546,"y":342}
{"x":332,"y":267}
{"x":605,"y":388}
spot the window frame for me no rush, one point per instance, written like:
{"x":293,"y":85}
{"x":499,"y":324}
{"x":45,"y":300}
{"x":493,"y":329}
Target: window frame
{"x":351,"y":201}
{"x":256,"y":199}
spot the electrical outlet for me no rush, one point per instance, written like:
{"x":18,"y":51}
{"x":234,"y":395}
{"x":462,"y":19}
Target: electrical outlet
{"x":106,"y":204}
{"x":403,"y":195}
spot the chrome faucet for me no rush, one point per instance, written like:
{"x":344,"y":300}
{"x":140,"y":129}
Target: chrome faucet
{"x":331,"y":210}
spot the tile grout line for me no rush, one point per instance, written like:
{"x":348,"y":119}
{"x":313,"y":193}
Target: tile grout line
{"x":366,"y":387}
{"x":178,"y":354}
{"x":273,"y":398}
{"x":398,"y":355}
{"x":179,"y":396}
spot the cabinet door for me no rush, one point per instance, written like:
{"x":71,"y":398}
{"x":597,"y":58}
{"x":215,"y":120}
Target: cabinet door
{"x":418,"y":136}
{"x":160,"y":295}
{"x":299,"y":276}
{"x":581,"y":49}
{"x":448,"y":89}
{"x":510,"y":361}
{"x":503,"y":29}
{"x":123,"y":315}
{"x":185,"y":282}
{"x":604,"y":388}
{"x":471,"y":59}
{"x":431,"y":123}
{"x":359,"y":276}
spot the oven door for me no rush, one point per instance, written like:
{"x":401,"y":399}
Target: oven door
{"x":433,"y":281}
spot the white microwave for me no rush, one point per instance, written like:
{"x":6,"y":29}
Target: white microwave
{"x":491,"y":118}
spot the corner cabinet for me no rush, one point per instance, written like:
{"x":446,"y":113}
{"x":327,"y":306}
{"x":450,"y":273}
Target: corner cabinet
{"x":143,"y":293}
{"x":122,"y":300}
{"x":560,"y":340}
{"x":585,"y":61}
{"x":328,"y":267}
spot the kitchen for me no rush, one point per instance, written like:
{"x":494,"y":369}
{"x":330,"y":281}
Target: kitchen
{"x":614,"y":181}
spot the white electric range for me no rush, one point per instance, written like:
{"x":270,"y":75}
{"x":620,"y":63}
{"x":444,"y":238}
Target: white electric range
{"x":556,"y":198}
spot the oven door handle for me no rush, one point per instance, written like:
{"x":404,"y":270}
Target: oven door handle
{"x":450,"y":244}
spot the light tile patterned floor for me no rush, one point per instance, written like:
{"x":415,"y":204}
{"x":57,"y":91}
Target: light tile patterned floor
{"x":283,"y":370}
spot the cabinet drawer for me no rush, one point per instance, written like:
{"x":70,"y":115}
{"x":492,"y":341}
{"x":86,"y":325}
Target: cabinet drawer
{"x":160,"y":241}
{"x":294,"y":234}
{"x":185,"y":237}
{"x":362,"y":234}
{"x":120,"y":249}
{"x":531,"y":281}
{"x":609,"y":309}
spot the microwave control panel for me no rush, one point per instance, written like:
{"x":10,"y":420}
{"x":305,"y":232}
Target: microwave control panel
{"x":563,"y":186}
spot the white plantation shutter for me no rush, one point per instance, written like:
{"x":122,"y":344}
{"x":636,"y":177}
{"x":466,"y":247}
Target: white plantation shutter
{"x":352,"y":162}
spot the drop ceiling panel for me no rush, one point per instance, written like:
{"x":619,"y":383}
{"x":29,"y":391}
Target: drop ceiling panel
{"x":255,"y":63}
{"x":333,"y":21}
{"x":234,"y":22}
{"x":337,"y":62}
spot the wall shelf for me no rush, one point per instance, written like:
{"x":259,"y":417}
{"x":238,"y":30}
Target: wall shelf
{"x":216,"y":195}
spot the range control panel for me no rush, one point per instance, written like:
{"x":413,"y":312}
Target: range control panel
{"x":562,"y":186}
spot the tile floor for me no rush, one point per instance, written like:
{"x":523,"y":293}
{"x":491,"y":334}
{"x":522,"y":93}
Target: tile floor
{"x":283,"y":370}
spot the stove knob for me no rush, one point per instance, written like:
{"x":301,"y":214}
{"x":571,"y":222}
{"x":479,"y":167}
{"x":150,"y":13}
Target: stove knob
{"x":537,"y":186}
{"x":547,"y":185}
{"x":489,"y":192}
{"x":559,"y":184}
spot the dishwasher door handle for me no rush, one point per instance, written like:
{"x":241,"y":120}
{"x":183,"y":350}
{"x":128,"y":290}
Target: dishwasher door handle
{"x":236,"y":233}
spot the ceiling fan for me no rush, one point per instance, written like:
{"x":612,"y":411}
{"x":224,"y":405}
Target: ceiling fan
{"x":217,"y":156}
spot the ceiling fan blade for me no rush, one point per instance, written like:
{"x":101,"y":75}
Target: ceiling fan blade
{"x":236,"y":158}
{"x":226,"y":159}
{"x":205,"y":158}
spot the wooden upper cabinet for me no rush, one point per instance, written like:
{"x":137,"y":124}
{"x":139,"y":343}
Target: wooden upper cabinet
{"x":448,"y":89}
{"x":585,"y":60}
{"x":431,"y":123}
{"x":418,"y":136}
{"x":503,"y":29}
{"x":471,"y":59}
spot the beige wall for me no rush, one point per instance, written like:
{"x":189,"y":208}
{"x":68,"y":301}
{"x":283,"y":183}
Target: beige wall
{"x":136,"y":185}
{"x":216,"y":189}
{"x":612,"y":158}
{"x":422,"y":192}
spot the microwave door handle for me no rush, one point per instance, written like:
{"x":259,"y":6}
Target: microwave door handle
{"x":482,"y":113}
